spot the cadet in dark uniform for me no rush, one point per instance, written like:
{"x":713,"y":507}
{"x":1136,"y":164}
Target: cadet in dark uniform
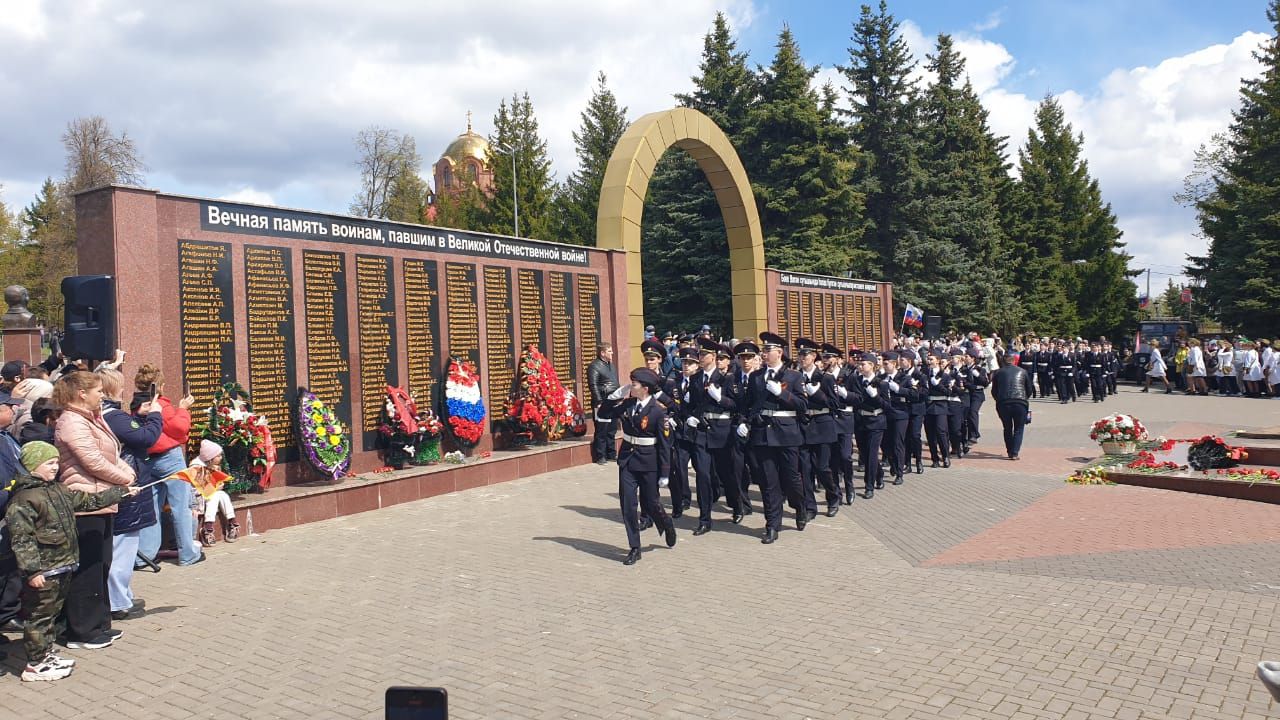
{"x":712,"y":401}
{"x":654,"y":353}
{"x":819,"y":432}
{"x":958,"y":409}
{"x":979,"y":380}
{"x":843,"y":412}
{"x":748,"y":354}
{"x":774,"y":397}
{"x":1095,"y":363}
{"x":1030,"y":361}
{"x":1112,"y":361}
{"x":939,"y":405}
{"x":869,"y":393}
{"x":682,"y":447}
{"x":919,"y":399}
{"x":1046,"y":371}
{"x":1063,"y":372}
{"x":1082,"y":370}
{"x":897,"y":414}
{"x":644,"y":460}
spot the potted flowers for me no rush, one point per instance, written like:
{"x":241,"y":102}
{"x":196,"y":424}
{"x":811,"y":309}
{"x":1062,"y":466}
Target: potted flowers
{"x":541,"y":406}
{"x":464,"y":408}
{"x":322,"y":436}
{"x":1118,"y":434}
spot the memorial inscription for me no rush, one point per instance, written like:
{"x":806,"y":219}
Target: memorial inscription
{"x":206,"y":315}
{"x":464,"y":316}
{"x":533,"y":318}
{"x":328,"y":343}
{"x":268,"y":289}
{"x":376,"y":308}
{"x":588,"y":329}
{"x":422,"y":329}
{"x":500,"y":344}
{"x":563,"y":340}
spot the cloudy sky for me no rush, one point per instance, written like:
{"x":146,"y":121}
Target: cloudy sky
{"x":259,"y":100}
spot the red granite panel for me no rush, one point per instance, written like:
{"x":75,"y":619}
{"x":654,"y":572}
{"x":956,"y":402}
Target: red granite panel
{"x":437,"y":483}
{"x":316,"y":507}
{"x":270,"y":517}
{"x":399,"y":491}
{"x":535,"y":464}
{"x":558,"y":459}
{"x":357,"y":500}
{"x":471,"y":477}
{"x":505,"y":470}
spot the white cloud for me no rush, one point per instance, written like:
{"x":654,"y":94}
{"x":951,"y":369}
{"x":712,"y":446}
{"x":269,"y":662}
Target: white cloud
{"x":249,"y":195}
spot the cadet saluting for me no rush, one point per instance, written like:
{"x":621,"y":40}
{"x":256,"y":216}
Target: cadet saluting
{"x":774,"y":399}
{"x":644,"y":461}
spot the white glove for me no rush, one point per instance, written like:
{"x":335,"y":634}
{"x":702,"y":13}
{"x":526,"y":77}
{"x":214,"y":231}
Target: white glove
{"x":774,"y":387}
{"x":691,"y":422}
{"x":893,"y":386}
{"x":913,"y":381}
{"x":742,"y":430}
{"x":663,"y":482}
{"x":975,"y":372}
{"x":840,"y":390}
{"x":620,"y":393}
{"x":671,"y":423}
{"x":715,"y":392}
{"x":872,"y":391}
{"x":686,"y":397}
{"x":933,"y":381}
{"x":810,"y":389}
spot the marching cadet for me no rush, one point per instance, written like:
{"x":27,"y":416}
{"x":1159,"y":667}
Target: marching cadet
{"x":1031,"y":359}
{"x":654,"y":353}
{"x":819,"y":432}
{"x":1082,"y":369}
{"x":1112,"y":361}
{"x":855,"y":361}
{"x":868,"y":392}
{"x":920,"y":396}
{"x":644,"y":460}
{"x":979,"y":380}
{"x":682,"y":447}
{"x":1095,"y":362}
{"x":843,"y":412}
{"x":774,"y":397}
{"x":1046,"y":370}
{"x":712,"y":402}
{"x":939,"y":404}
{"x":958,"y":409}
{"x":897,"y":411}
{"x":1063,"y":370}
{"x":748,"y":354}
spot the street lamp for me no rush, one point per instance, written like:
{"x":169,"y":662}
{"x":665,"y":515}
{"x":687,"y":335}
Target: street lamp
{"x":515,"y":203}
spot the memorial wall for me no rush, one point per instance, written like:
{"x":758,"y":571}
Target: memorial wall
{"x":279,"y":299}
{"x":840,"y":311}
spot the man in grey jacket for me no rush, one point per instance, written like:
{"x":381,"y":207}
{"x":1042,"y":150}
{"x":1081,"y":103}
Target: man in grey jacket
{"x":602,"y":380}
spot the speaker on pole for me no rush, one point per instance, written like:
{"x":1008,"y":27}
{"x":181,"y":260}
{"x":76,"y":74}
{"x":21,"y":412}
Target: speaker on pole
{"x":89,"y":317}
{"x":932,"y":327}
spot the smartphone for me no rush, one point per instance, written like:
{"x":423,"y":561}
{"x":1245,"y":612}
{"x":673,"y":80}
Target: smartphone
{"x":153,"y":391}
{"x":417,"y":703}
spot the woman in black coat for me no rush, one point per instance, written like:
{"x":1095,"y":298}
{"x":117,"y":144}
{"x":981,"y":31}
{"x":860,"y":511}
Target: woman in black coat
{"x":136,"y":433}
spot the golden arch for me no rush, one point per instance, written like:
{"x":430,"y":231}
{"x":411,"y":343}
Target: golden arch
{"x":626,"y":181}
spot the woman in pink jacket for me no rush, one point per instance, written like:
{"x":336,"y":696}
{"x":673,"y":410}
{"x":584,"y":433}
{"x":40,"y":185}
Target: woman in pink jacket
{"x":89,"y":456}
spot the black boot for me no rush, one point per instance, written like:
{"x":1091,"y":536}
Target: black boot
{"x":770,"y":536}
{"x":632,"y":557}
{"x":919,"y":467}
{"x":897,"y":480}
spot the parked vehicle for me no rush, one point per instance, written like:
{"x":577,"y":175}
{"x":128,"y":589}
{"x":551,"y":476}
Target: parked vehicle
{"x":1167,"y":331}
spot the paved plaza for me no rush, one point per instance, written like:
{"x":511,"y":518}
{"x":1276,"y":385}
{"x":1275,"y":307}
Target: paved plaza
{"x":991,"y":590}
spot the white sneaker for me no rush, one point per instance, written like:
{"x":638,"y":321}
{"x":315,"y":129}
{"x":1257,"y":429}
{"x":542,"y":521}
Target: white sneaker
{"x":59,"y":660}
{"x":47,"y":669}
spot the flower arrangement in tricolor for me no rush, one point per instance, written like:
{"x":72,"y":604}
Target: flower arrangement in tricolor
{"x":323,"y":436}
{"x":541,"y":402}
{"x":1118,"y":428}
{"x":464,"y":408}
{"x":245,"y":437}
{"x":1211,"y":452}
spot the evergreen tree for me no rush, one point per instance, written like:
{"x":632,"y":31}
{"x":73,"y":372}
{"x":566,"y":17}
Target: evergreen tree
{"x":462,"y":210}
{"x":603,"y":123}
{"x":407,"y":199}
{"x":1239,"y":216}
{"x":48,"y":227}
{"x":515,"y":129}
{"x":884,"y":110}
{"x":801,"y":169}
{"x":685,"y":247}
{"x":1075,"y":275}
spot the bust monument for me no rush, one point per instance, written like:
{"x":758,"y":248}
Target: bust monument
{"x":18,"y":316}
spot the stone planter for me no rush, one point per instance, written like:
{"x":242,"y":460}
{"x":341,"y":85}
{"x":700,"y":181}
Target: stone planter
{"x":1115,"y":447}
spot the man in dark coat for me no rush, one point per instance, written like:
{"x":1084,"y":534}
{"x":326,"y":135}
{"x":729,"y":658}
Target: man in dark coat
{"x":1012,"y":389}
{"x":602,"y":380}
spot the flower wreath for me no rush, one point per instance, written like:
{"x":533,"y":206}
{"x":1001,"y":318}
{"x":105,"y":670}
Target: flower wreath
{"x":541,"y":403}
{"x":409,"y":434}
{"x":248,"y":452}
{"x":323,"y":436}
{"x":464,"y":408}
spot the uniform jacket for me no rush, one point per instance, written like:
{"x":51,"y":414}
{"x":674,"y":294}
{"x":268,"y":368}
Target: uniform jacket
{"x":978,"y":379}
{"x":775,"y":430}
{"x":42,"y":523}
{"x":869,"y":398}
{"x":712,"y":432}
{"x":642,"y":424}
{"x":908,"y":399}
{"x":821,"y":427}
{"x":844,"y":411}
{"x":960,"y":382}
{"x":89,"y":455}
{"x":938,"y":383}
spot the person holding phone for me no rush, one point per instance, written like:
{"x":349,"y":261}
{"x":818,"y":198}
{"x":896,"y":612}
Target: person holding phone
{"x":165,"y":458}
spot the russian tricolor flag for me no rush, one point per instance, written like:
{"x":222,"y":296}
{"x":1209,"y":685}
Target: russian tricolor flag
{"x":913,"y":316}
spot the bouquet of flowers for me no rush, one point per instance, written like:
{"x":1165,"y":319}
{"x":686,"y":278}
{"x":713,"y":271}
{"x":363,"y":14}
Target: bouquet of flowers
{"x":541,"y":404}
{"x":464,"y":408}
{"x":409,"y":435}
{"x":1118,"y":428}
{"x":1213,"y":452}
{"x":323,"y":436}
{"x":248,"y":453}
{"x":429,"y":431}
{"x":579,"y":417}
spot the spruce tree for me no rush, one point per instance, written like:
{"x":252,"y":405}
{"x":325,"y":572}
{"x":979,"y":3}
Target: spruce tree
{"x":1075,"y":274}
{"x":884,"y":111}
{"x":1239,"y":217}
{"x":603,"y":123}
{"x":48,"y":227}
{"x":407,"y":199}
{"x":515,"y":129}
{"x":801,"y":172}
{"x":684,"y":244}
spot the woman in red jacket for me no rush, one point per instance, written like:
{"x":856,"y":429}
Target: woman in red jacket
{"x":165,"y":458}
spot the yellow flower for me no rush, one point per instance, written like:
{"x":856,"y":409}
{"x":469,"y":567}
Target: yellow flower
{"x":320,"y":432}
{"x":317,"y":417}
{"x":334,"y":439}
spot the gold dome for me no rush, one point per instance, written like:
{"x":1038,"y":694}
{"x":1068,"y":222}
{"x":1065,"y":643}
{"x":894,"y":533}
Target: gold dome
{"x":468,"y":145}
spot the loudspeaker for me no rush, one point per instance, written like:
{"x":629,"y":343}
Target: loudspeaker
{"x":89,"y":320}
{"x":932,"y":327}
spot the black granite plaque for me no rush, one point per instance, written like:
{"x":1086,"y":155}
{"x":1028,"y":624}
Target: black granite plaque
{"x":207,"y":316}
{"x":328,"y":343}
{"x":268,"y":290}
{"x":533,"y":315}
{"x":422,"y":329}
{"x":376,"y":308}
{"x":784,"y":326}
{"x":589,"y":331}
{"x":499,"y":341}
{"x":793,"y":316}
{"x":563,"y":341}
{"x":464,"y":316}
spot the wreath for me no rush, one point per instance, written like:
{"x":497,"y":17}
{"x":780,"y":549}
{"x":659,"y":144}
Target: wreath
{"x":1211,"y":452}
{"x":323,"y":436}
{"x":248,"y":453}
{"x":540,"y":407}
{"x":464,"y":408}
{"x":409,"y":435}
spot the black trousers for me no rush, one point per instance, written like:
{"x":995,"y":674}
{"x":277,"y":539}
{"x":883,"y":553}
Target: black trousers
{"x":955,"y":425}
{"x":1046,"y":382}
{"x":88,"y":607}
{"x":1066,"y":390}
{"x":815,"y":467}
{"x":715,"y":472}
{"x":679,"y":486}
{"x":780,"y":477}
{"x":11,"y":582}
{"x":1098,"y":385}
{"x":870,"y":439}
{"x":629,"y":482}
{"x":915,"y":445}
{"x":842,"y":461}
{"x":751,"y":472}
{"x":895,"y":444}
{"x":603,"y":446}
{"x":1111,"y":383}
{"x":935,"y":429}
{"x":975,"y":414}
{"x":1013,"y":416}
